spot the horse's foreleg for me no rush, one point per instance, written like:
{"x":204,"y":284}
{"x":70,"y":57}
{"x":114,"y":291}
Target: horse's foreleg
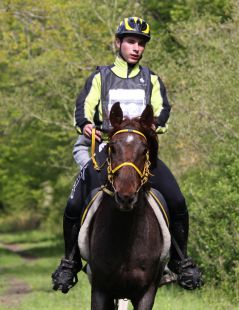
{"x":146,"y":301}
{"x":101,"y":301}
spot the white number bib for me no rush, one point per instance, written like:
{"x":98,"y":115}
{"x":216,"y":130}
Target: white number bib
{"x":132,"y":101}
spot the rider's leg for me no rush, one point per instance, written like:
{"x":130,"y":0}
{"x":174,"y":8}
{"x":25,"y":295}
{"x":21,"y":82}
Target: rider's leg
{"x":81,"y":151}
{"x":164,"y":181}
{"x":65,"y":275}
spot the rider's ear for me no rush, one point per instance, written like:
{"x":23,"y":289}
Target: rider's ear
{"x":147,"y":117}
{"x":116,"y":115}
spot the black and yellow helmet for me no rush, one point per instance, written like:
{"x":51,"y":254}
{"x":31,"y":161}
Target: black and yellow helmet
{"x":135,"y":26}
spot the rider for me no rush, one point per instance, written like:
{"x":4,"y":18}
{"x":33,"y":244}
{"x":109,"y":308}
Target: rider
{"x":134,"y":87}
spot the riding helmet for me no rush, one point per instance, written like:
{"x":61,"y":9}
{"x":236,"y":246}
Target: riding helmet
{"x":133,"y":26}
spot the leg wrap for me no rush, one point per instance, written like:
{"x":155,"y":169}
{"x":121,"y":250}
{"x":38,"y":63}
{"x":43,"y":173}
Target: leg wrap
{"x":179,"y":231}
{"x":71,"y":229}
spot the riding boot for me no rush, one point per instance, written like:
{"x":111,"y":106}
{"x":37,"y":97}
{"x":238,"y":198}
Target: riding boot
{"x":65,"y":276}
{"x":189,"y":275}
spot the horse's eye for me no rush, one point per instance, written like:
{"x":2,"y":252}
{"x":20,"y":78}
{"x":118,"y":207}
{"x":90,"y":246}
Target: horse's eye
{"x":145,"y":150}
{"x":112,"y":149}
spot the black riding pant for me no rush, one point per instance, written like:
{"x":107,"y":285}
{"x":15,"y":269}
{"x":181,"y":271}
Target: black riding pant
{"x":89,"y":179}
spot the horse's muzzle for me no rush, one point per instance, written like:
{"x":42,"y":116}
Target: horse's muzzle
{"x":126,"y":202}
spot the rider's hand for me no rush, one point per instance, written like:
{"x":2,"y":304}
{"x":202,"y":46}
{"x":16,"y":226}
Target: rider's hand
{"x":87,"y":131}
{"x":153,"y":127}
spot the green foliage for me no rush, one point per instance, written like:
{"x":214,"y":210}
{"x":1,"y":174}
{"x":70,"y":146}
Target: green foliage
{"x":201,"y":77}
{"x":213,"y":197}
{"x":164,"y":12}
{"x":46,"y":52}
{"x":33,"y":160}
{"x":198,"y":60}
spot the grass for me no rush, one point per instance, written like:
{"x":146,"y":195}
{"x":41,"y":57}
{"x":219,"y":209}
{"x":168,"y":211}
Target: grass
{"x":35,"y":273}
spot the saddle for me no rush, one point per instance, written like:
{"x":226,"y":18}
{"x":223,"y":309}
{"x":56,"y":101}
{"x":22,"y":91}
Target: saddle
{"x":156,"y":202}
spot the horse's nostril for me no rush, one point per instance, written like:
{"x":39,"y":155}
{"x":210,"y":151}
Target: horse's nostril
{"x":130,"y":199}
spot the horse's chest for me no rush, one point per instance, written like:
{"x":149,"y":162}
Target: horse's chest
{"x":126,"y":235}
{"x":126,"y":251}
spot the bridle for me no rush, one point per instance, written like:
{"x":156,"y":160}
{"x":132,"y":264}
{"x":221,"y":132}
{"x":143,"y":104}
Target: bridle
{"x":144,"y":175}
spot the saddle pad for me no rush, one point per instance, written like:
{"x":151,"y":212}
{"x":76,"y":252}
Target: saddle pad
{"x":159,"y":211}
{"x":83,"y":237}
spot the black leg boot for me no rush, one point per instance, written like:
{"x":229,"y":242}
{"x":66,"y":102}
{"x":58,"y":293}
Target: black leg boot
{"x":189,"y":275}
{"x":65,"y":276}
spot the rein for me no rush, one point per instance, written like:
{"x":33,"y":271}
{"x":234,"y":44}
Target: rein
{"x":93,"y":140}
{"x":143,"y":175}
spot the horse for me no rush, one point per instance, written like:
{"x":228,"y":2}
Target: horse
{"x":126,"y":241}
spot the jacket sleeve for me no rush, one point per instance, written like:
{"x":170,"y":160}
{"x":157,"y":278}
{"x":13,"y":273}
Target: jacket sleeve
{"x":87,"y":101}
{"x":160,"y":103}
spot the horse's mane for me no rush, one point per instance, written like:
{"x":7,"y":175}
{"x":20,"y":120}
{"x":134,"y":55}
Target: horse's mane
{"x":149,"y":133}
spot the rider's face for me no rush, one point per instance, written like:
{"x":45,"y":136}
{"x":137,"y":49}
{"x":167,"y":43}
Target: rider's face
{"x":131,"y":48}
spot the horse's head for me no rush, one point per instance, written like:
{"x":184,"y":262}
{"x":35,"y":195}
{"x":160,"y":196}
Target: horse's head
{"x":132,"y":146}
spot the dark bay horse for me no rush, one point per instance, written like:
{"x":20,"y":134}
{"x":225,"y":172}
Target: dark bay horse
{"x":126,"y":240}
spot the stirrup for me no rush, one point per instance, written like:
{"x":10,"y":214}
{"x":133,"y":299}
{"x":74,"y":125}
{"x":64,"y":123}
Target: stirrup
{"x":65,"y":276}
{"x":168,"y":277}
{"x":189,"y":275}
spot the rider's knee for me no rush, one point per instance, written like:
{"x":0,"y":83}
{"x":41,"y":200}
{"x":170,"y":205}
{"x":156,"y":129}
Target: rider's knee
{"x":72,"y":209}
{"x":178,"y":206}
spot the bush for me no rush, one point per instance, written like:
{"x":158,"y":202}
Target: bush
{"x":212,"y":193}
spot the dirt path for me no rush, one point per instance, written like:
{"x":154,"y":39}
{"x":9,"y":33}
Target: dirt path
{"x":14,"y":294}
{"x":16,"y":288}
{"x":16,"y":248}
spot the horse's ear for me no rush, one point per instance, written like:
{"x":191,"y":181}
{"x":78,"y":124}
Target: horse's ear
{"x":147,"y":117}
{"x":116,"y":115}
